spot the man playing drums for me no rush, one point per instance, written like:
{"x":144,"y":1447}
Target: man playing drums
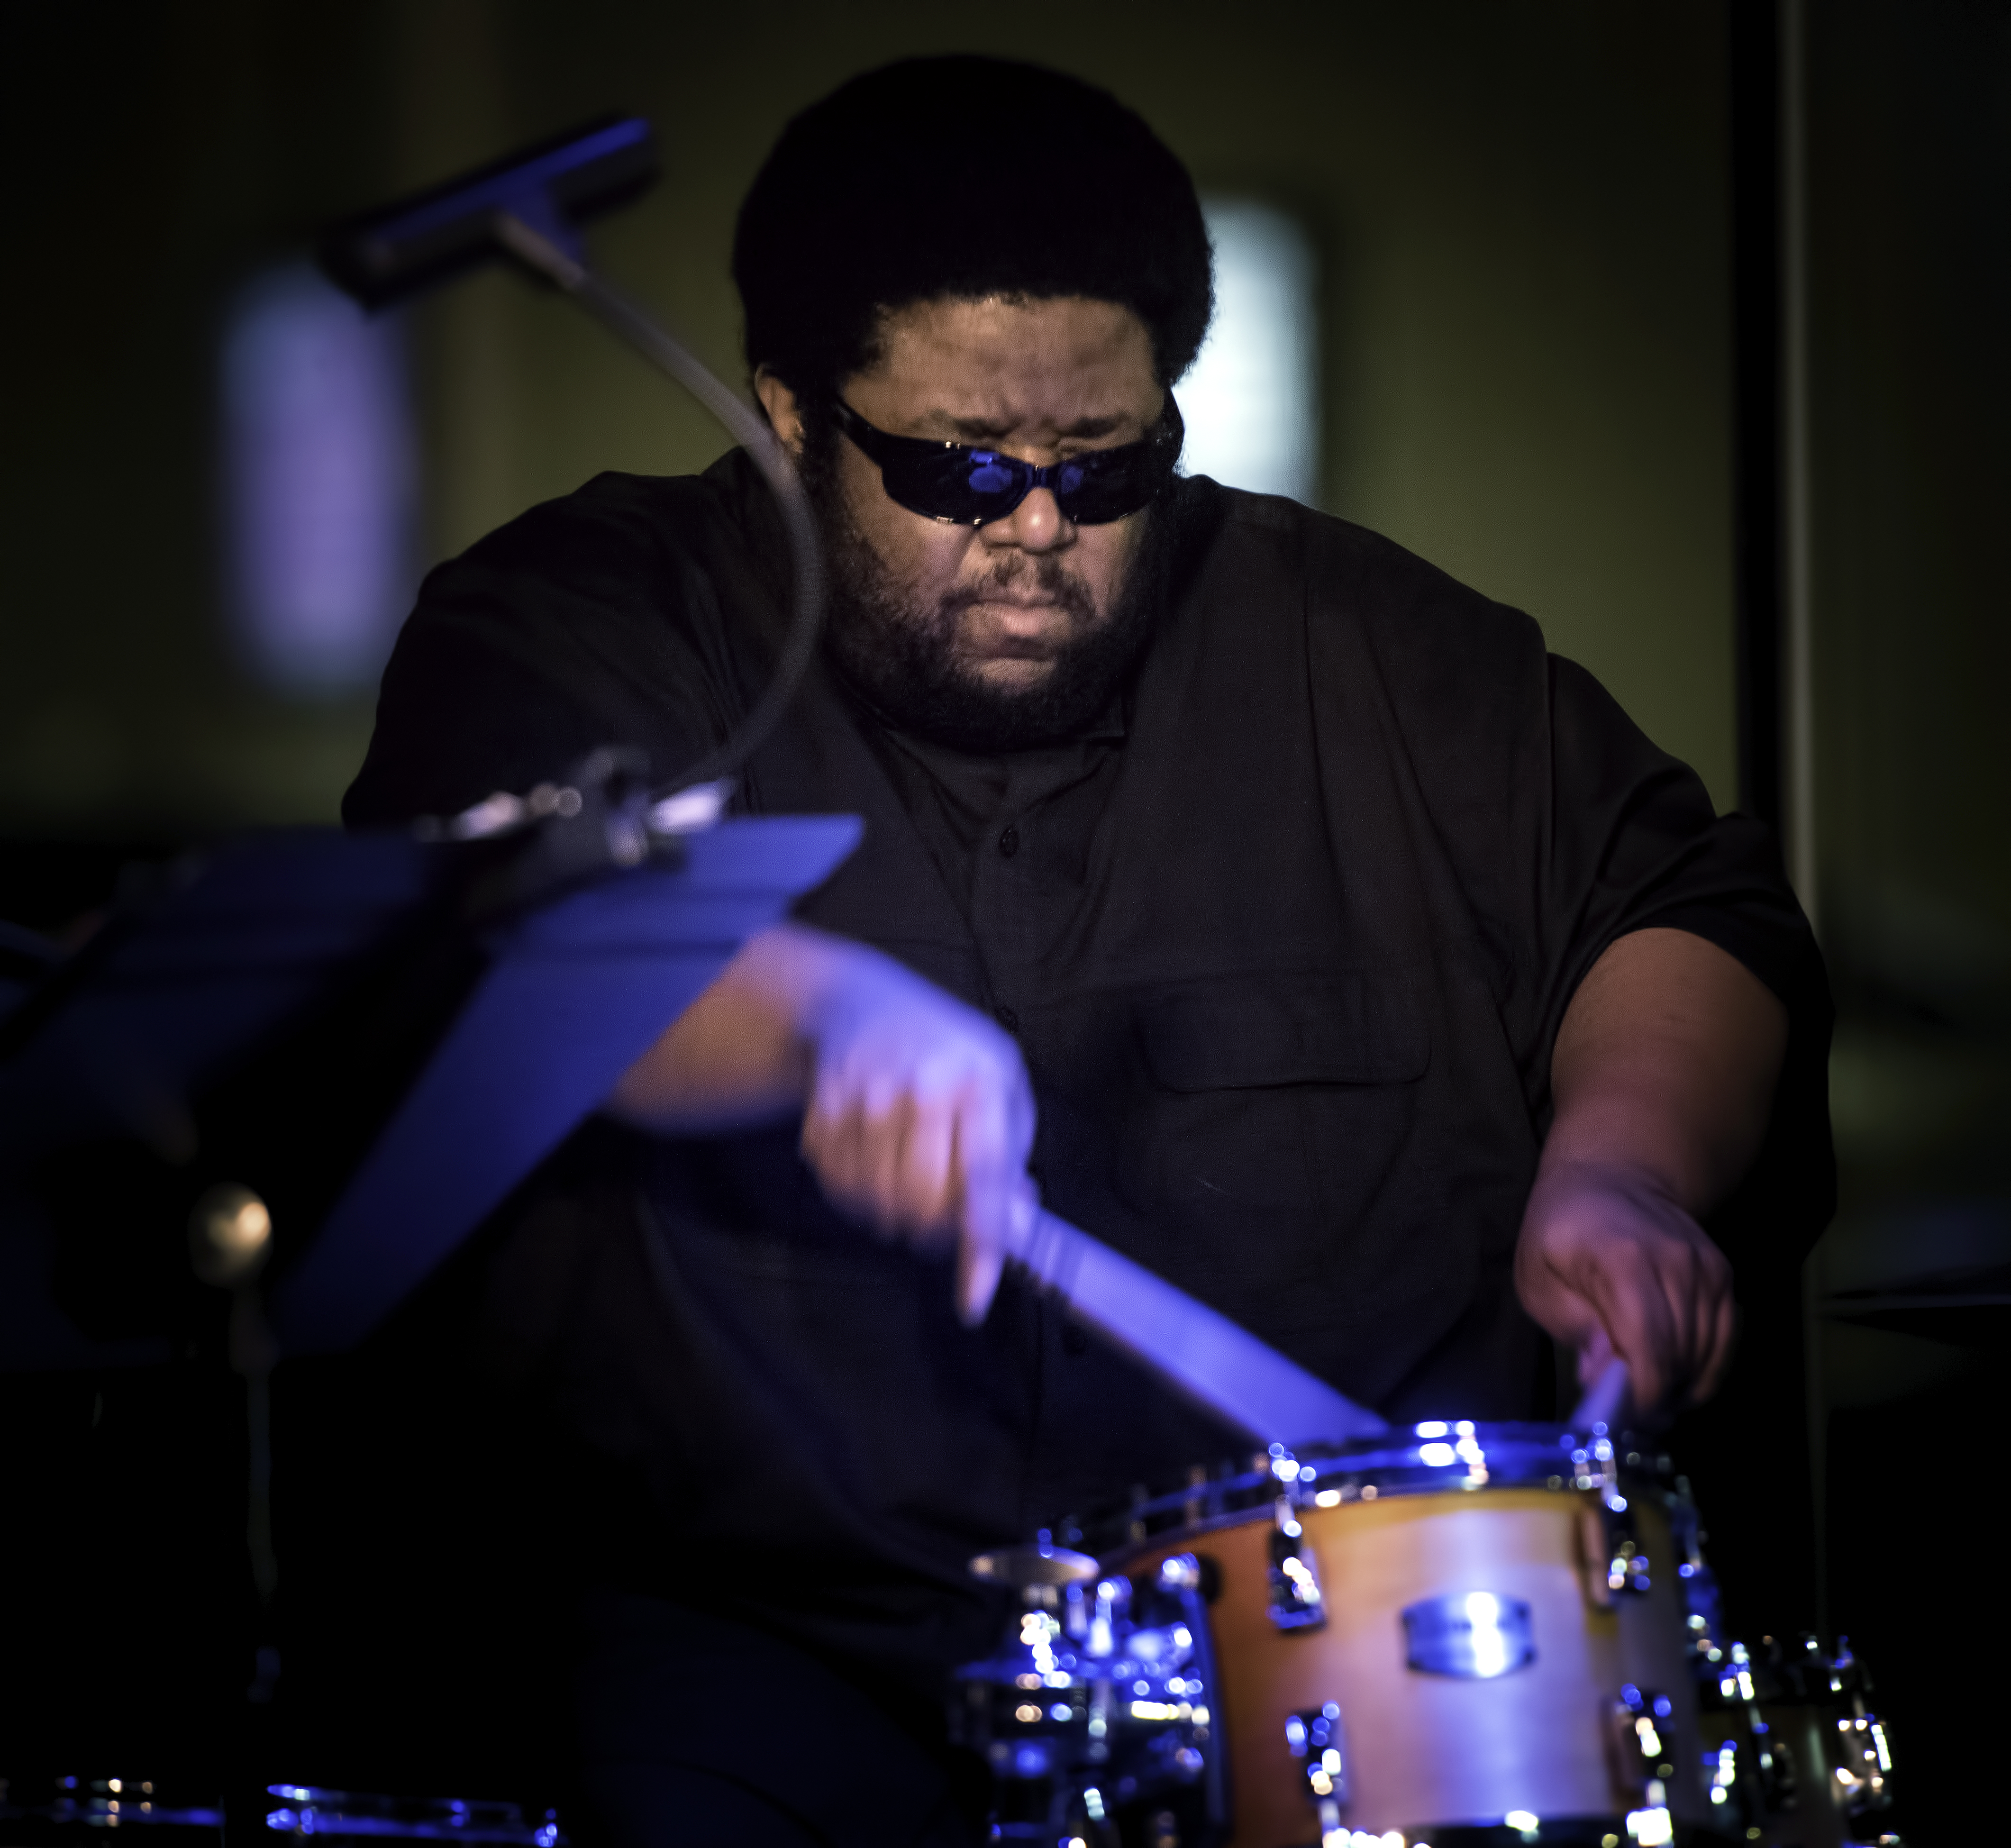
{"x":1273,"y":905}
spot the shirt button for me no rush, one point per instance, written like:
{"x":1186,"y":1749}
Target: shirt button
{"x":1009,"y":842}
{"x":1008,"y":1019}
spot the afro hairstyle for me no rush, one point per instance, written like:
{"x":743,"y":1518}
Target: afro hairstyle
{"x":956,"y":178}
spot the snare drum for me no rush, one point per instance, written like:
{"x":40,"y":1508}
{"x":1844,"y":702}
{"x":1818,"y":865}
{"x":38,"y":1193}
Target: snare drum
{"x":1464,"y":1625}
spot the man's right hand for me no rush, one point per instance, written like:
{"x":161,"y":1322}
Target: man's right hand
{"x":917,"y":1115}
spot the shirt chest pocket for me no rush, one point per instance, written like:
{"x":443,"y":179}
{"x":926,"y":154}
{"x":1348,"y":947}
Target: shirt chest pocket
{"x":1272,"y":1093}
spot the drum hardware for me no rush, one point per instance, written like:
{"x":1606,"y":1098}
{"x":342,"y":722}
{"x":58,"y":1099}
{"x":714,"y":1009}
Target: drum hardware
{"x":1751,"y":1770}
{"x":69,"y":1806}
{"x":1441,"y":1553}
{"x":1096,"y":1716}
{"x":1650,"y":1827}
{"x":1473,"y":1635}
{"x":1595,"y":1466}
{"x":1317,"y":1739}
{"x":1726,"y":1772}
{"x":1808,"y":1765}
{"x":1615,"y":1563}
{"x":1298,"y":1604}
{"x":1113,"y":1605}
{"x":1197,"y":1481}
{"x":75,"y":1808}
{"x":1631,"y":1720}
{"x":1039,"y":1566}
{"x":1866,"y":1755}
{"x":1464,"y":1450}
{"x":306,"y":1813}
{"x":1184,"y":1573}
{"x":1645,"y":1760}
{"x":1703,"y":1615}
{"x":1627,"y":1567}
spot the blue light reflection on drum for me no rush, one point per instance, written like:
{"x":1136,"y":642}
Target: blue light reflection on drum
{"x":1100,"y":1710}
{"x":1473,"y":1636}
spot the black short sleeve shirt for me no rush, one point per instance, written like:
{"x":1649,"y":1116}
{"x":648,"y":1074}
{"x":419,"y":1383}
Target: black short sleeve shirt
{"x":1286,"y":938}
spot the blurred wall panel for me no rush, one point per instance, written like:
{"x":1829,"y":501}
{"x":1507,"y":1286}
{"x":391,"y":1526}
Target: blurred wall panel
{"x":1910,"y":234}
{"x":1251,"y":399}
{"x":168,"y":154}
{"x":1521,"y":216}
{"x":1909,"y":265}
{"x":449,"y":74}
{"x":1910,"y":295}
{"x":315,"y":416}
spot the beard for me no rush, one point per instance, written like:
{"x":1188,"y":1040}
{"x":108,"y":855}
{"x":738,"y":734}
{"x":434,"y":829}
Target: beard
{"x":899,"y":652}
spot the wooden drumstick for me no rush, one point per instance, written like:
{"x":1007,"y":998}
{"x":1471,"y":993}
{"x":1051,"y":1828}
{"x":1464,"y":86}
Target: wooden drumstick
{"x":1606,"y":1400}
{"x":1211,"y":1362}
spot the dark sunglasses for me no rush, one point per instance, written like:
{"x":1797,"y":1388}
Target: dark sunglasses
{"x":951,"y":481}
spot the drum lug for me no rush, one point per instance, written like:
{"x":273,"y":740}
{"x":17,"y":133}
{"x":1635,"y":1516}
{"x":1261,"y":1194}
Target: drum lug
{"x":1614,"y":1565}
{"x":1865,"y":1748}
{"x":1702,"y":1617}
{"x":1641,"y":1763}
{"x":1318,"y":1742}
{"x":1107,"y":1617}
{"x":1297,"y":1605}
{"x":1644,"y":1748}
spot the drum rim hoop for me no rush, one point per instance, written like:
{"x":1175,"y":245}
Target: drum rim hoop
{"x":1516,"y":1455}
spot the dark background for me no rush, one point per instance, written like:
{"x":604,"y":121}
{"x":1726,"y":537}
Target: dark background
{"x":1553,"y":292}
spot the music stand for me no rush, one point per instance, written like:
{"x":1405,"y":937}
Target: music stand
{"x":257,"y":1025}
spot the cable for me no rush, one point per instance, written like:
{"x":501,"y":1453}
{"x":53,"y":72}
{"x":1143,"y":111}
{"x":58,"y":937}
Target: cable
{"x":629,"y":322}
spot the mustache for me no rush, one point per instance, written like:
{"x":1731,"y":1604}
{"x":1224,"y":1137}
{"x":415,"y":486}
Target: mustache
{"x":1047,"y":577}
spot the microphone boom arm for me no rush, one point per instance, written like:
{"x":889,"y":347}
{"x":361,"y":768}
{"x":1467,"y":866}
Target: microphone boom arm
{"x":526,"y":206}
{"x":646,"y":336}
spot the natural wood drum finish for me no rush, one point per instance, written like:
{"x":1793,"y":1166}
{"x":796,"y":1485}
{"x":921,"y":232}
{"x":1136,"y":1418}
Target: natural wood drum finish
{"x":1425,"y":1749}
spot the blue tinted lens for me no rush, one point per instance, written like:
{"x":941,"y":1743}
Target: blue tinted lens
{"x":990,"y":474}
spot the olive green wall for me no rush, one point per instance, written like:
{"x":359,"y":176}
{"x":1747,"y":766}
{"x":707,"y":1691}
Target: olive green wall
{"x":1910,"y":377}
{"x":1910,"y":250}
{"x":1521,"y":209}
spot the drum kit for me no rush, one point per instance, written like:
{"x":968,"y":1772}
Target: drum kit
{"x":1427,"y":1636}
{"x":1452,"y":1634}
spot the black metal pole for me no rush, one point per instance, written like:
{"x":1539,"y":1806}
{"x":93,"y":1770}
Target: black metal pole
{"x":1754,"y":45}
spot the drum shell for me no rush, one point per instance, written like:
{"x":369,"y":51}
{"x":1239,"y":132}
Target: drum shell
{"x":1426,"y":1750}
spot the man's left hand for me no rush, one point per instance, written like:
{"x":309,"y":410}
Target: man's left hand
{"x":1608,"y":1264}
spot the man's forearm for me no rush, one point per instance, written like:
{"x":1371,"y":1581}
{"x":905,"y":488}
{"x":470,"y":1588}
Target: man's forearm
{"x":739,"y":1054}
{"x":1663,"y":1076}
{"x":1666,"y":1063}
